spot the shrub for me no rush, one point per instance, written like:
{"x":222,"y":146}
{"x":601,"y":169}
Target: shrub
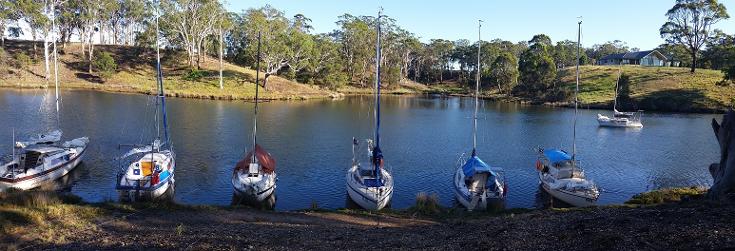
{"x":22,"y":61}
{"x":426,"y":204}
{"x":194,"y":75}
{"x":105,"y":64}
{"x":666,"y":195}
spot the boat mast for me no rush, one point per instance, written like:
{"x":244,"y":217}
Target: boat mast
{"x":477,"y":90}
{"x":576,"y":93}
{"x":56,"y":65}
{"x":160,"y":83}
{"x":377,"y":154}
{"x":255,"y":117}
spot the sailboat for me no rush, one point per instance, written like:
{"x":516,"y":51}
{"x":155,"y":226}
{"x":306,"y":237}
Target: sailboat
{"x":620,"y":119}
{"x":559,"y":173}
{"x":254,"y":177}
{"x":475,"y":182}
{"x":369,"y":184}
{"x":148,"y":170}
{"x":42,"y":158}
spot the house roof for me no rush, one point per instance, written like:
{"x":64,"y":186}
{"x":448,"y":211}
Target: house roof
{"x":633,"y":55}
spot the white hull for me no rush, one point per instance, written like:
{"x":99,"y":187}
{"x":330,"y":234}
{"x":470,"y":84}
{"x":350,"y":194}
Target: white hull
{"x":370,"y":198}
{"x":574,"y":199}
{"x":44,"y":178}
{"x":605,"y":121}
{"x":257,"y":188}
{"x":134,"y":195}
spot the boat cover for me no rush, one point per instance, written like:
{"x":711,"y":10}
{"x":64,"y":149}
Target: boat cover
{"x":475,"y":165}
{"x":555,"y":155}
{"x":78,"y":142}
{"x":266,"y":161}
{"x":51,"y":137}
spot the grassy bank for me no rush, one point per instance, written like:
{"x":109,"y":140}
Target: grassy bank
{"x":42,"y":220}
{"x":654,"y":88}
{"x":136,"y":74}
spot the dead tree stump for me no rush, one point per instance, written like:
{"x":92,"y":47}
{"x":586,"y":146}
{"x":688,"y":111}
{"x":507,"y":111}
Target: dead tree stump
{"x":723,"y":173}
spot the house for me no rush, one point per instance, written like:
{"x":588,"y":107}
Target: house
{"x":643,"y":58}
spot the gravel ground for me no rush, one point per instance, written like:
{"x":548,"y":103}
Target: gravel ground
{"x":668,"y":227}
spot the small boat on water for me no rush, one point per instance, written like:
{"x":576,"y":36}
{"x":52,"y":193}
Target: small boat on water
{"x":562,"y":178}
{"x":37,"y":164}
{"x":147,"y":171}
{"x":368,"y":183}
{"x":476,"y":184}
{"x":42,"y":158}
{"x":560,"y":174}
{"x":254,"y":177}
{"x":620,"y":119}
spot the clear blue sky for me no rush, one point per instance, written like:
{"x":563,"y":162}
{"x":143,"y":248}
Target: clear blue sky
{"x":633,"y":21}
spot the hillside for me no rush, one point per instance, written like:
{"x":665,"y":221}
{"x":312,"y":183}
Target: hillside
{"x":136,"y":74}
{"x":653,"y":88}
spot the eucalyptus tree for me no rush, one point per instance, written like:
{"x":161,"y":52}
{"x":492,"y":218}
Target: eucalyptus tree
{"x":504,"y":72}
{"x":536,"y":65}
{"x":357,"y":38}
{"x":442,"y":52}
{"x":7,"y":14}
{"x":189,"y":23}
{"x":690,"y":24}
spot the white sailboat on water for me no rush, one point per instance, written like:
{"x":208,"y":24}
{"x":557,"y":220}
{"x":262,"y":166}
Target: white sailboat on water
{"x":254,"y":177}
{"x":147,"y":171}
{"x":560,"y":174}
{"x":42,"y":158}
{"x":620,"y":119}
{"x":476,"y":184}
{"x":368,"y":183}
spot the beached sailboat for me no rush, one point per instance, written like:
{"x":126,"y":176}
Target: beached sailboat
{"x":254,"y":177}
{"x":620,"y":119}
{"x":147,"y":171}
{"x":42,"y":158}
{"x":560,"y":174}
{"x":476,"y":184}
{"x":369,"y":184}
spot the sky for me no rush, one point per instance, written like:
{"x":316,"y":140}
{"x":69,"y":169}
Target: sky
{"x":635,"y":22}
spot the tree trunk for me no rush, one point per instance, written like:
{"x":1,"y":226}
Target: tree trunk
{"x":694,"y":61}
{"x":46,"y":57}
{"x":91,"y":52}
{"x":221,"y":85}
{"x":723,"y":173}
{"x":265,"y":81}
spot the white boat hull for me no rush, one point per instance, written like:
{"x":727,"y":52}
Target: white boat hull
{"x":135,"y":195}
{"x":256,"y":189}
{"x":43,"y":177}
{"x":370,"y":198}
{"x":605,"y":121}
{"x":570,"y":198}
{"x":474,"y":201}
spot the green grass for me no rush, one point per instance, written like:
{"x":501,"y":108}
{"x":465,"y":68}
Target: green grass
{"x":653,"y":88}
{"x":667,"y":195}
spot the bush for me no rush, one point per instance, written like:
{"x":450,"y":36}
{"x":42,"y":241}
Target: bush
{"x":194,"y":75}
{"x":23,"y":61}
{"x":105,"y":64}
{"x":666,"y":195}
{"x":426,"y":204}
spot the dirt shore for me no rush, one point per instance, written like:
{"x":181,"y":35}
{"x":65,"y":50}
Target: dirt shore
{"x":665,"y":227}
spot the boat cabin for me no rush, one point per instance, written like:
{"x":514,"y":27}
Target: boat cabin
{"x":559,"y":164}
{"x":366,"y":175}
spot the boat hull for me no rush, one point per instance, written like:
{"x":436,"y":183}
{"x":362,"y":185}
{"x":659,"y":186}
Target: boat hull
{"x":608,"y":122}
{"x":44,"y":177}
{"x":566,"y":196}
{"x":255,"y":191}
{"x":147,"y":194}
{"x":370,"y":198}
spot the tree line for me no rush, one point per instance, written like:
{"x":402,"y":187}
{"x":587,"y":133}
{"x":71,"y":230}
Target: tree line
{"x":345,"y":56}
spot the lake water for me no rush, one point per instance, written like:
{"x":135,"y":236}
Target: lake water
{"x":422,"y":137}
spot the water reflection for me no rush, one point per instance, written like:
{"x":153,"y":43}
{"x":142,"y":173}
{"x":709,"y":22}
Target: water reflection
{"x":310,"y":140}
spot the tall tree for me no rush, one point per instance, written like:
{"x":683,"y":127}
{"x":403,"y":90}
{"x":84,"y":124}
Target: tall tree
{"x":690,"y":24}
{"x":190,"y":22}
{"x":504,"y":72}
{"x":536,"y":66}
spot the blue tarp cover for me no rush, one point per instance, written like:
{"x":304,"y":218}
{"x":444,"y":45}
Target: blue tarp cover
{"x":373,"y":182}
{"x":555,"y":155}
{"x":475,"y":165}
